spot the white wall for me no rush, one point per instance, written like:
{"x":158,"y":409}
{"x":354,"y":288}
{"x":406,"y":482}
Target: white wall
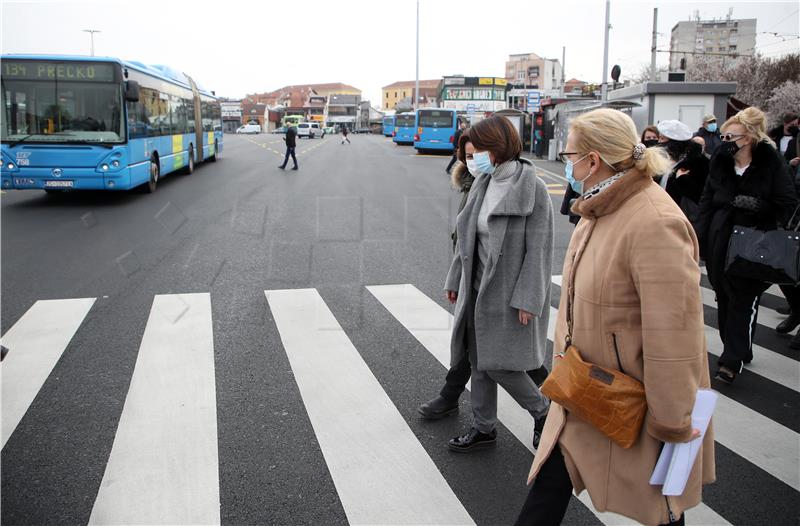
{"x":689,"y":109}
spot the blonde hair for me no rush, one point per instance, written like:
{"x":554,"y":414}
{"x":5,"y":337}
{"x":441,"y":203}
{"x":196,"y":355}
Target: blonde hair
{"x":612,"y":134}
{"x":754,"y":122}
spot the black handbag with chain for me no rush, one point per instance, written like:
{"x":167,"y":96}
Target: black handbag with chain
{"x":771,"y":256}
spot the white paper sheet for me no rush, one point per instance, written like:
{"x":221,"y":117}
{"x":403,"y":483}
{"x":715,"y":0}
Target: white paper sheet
{"x":675,"y":463}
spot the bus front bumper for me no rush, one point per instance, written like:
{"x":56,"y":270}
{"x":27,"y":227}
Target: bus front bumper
{"x":70,"y":179}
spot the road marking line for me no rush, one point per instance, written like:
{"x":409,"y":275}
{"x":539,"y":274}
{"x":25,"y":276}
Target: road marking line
{"x":774,"y":448}
{"x":164,"y":465}
{"x":431,"y":325}
{"x":35,"y":343}
{"x":381,"y":471}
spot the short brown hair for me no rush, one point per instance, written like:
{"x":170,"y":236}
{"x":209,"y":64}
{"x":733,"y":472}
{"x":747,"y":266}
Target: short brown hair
{"x":461,"y":153}
{"x":497,"y":135}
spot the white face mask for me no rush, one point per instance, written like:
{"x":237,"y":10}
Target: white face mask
{"x":472,"y":166}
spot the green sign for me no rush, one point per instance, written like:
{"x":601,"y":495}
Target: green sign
{"x":46,"y":70}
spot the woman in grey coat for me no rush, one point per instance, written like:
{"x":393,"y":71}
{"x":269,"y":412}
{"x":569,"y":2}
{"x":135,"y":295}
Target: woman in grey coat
{"x":500,"y":280}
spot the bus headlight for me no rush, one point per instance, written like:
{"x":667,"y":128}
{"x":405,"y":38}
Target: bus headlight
{"x":10,"y":166}
{"x":104,"y":167}
{"x":115,"y":164}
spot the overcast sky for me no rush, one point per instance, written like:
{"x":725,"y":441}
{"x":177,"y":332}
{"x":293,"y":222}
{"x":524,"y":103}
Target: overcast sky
{"x":237,"y":47}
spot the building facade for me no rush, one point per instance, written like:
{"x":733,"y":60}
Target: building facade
{"x":725,"y":40}
{"x":533,"y":71}
{"x":231,"y":115}
{"x":473,"y":94}
{"x":394,"y":93}
{"x":343,"y":110}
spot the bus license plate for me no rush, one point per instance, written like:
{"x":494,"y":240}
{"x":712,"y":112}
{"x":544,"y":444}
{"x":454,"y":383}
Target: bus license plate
{"x":58,"y":184}
{"x":434,"y":140}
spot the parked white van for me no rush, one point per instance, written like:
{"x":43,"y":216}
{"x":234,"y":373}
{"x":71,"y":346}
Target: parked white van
{"x":249,"y":128}
{"x":310,"y":130}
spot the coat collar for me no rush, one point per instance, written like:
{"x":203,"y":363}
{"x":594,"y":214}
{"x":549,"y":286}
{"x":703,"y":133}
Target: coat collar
{"x":520,"y":197}
{"x":612,"y":198}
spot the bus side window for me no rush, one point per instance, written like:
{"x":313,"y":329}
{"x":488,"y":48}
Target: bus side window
{"x":188,"y":104}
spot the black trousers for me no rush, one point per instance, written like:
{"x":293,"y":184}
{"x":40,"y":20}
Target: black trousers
{"x":453,"y":160}
{"x":289,"y":151}
{"x":550,"y":493}
{"x":458,"y":376}
{"x":737,"y":308}
{"x":792,"y":295}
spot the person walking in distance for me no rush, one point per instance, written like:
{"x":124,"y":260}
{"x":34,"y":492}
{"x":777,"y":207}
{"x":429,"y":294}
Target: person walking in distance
{"x":344,"y":134}
{"x":291,"y":144}
{"x":461,"y":127}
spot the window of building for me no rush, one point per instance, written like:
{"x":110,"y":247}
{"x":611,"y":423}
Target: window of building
{"x":395,"y":94}
{"x":520,"y":75}
{"x":533,"y":72}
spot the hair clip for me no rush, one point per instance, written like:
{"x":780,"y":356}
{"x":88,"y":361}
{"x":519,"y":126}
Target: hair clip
{"x":638,"y":151}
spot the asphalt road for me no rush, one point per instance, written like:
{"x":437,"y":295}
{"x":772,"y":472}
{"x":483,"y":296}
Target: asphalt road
{"x":355,"y":215}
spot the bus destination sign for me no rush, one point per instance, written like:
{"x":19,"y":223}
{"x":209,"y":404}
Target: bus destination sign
{"x":45,"y":70}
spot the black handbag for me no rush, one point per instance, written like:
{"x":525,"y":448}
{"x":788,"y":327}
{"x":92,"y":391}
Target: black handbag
{"x":771,"y":256}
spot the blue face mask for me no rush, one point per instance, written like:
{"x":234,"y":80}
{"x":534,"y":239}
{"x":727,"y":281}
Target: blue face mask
{"x":577,"y":186}
{"x":712,"y":127}
{"x":483,"y":163}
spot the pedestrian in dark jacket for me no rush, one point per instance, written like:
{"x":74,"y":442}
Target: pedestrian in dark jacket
{"x":710,"y":134}
{"x":458,"y":375}
{"x":291,"y":144}
{"x":461,"y":127}
{"x":570,"y":196}
{"x":783,"y":135}
{"x":748,"y":185}
{"x":792,"y":292}
{"x":345,"y":131}
{"x":688,"y":179}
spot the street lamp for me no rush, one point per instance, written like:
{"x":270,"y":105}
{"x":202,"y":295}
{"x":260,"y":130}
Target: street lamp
{"x":91,"y":33}
{"x":416,"y":81}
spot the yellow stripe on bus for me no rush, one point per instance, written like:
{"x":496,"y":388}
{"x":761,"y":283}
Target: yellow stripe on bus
{"x":177,"y":149}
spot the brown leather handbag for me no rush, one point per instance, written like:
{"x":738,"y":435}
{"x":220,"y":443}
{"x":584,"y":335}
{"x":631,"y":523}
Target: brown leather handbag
{"x":610,"y":400}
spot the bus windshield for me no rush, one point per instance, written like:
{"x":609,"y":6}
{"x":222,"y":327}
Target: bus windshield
{"x":404,"y":121}
{"x":56,"y":110}
{"x":435,"y":119}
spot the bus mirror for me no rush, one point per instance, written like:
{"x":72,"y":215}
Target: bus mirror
{"x":131,"y":91}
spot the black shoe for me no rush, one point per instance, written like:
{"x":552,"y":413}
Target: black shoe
{"x":789,"y":324}
{"x":3,"y":352}
{"x":537,"y":430}
{"x":785,"y":310}
{"x":437,"y":408}
{"x":725,"y":376}
{"x":295,"y":168}
{"x":795,"y":343}
{"x":282,"y":167}
{"x":472,"y":441}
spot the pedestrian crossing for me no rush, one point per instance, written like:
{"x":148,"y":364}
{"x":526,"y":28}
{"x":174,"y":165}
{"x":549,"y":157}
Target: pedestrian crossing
{"x":164,"y":464}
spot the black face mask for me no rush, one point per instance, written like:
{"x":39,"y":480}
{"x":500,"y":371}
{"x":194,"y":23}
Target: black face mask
{"x":650,"y":143}
{"x":728,"y":148}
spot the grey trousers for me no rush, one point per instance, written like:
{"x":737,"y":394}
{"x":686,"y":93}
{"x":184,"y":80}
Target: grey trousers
{"x":484,"y":385}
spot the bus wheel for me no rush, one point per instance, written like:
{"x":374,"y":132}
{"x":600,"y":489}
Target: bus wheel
{"x":150,"y":187}
{"x":190,"y":166}
{"x":213,"y":158}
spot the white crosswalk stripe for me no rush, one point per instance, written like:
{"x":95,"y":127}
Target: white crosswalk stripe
{"x":164,"y":467}
{"x":164,"y":462}
{"x":382,"y":473}
{"x":35,"y":343}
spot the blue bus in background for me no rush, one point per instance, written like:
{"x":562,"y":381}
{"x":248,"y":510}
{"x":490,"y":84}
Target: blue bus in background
{"x":436,"y":129}
{"x":404,"y":126}
{"x":388,"y":125}
{"x":95,"y":123}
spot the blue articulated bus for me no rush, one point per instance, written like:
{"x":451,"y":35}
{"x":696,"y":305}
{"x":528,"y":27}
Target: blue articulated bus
{"x":94,"y":123}
{"x":404,"y":126}
{"x":436,"y":129}
{"x":388,"y":125}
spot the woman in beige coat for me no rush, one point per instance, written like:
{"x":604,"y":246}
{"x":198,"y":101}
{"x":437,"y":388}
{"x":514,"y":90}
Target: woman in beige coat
{"x":637,"y":308}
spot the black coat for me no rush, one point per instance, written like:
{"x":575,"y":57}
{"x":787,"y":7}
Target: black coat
{"x":691,"y":185}
{"x":712,"y":140}
{"x":569,"y":197}
{"x":767,"y":178}
{"x":291,"y":137}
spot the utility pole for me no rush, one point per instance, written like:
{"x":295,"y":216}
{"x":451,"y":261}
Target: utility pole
{"x":604,"y":90}
{"x":91,"y":33}
{"x":653,"y":46}
{"x":563,"y":70}
{"x":416,"y":82}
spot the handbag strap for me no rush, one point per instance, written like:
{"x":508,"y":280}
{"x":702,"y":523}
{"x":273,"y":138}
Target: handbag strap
{"x":797,"y":225}
{"x":576,"y":257}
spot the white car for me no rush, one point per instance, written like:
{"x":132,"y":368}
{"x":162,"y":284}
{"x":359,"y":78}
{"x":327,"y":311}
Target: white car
{"x":310,"y":130}
{"x":249,"y":128}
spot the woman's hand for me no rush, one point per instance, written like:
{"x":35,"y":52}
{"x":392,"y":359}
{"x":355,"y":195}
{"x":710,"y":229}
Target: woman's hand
{"x":794,"y":162}
{"x":452,"y":296}
{"x":524,"y":316}
{"x":681,"y":172}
